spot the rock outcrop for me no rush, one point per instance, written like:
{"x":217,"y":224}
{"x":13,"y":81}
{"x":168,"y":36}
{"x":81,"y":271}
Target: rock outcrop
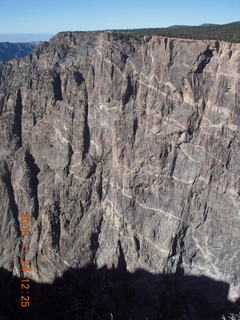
{"x":122,"y":145}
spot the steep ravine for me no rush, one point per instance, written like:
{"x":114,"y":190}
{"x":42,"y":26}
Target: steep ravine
{"x":122,"y":144}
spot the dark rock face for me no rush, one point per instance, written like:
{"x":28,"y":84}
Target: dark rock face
{"x":10,"y":50}
{"x":118,"y":144}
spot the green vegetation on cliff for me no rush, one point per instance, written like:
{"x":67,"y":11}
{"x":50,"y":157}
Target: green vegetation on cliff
{"x":227,"y":32}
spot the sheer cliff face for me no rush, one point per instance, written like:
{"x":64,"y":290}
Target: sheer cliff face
{"x":123,"y":147}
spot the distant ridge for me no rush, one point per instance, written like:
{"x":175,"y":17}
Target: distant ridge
{"x":9,"y":50}
{"x":178,"y":26}
{"x":227,"y":32}
{"x":188,"y":26}
{"x":208,"y":24}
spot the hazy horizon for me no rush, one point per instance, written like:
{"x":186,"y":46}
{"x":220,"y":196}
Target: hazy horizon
{"x":35,"y":37}
{"x":25,"y":37}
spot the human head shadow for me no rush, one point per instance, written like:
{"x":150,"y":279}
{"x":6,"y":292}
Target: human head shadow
{"x":116,"y":294}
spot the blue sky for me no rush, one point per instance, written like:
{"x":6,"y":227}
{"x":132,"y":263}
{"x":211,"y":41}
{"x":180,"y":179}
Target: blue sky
{"x":52,"y":16}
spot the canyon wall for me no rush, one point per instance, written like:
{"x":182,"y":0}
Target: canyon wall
{"x":121,"y":145}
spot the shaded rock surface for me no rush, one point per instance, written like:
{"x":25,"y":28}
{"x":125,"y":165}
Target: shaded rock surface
{"x":117,"y":143}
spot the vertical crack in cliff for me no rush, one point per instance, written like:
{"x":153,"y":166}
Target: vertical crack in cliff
{"x":165,"y":43}
{"x":200,"y":115}
{"x":122,"y":264}
{"x":178,"y":248}
{"x":192,"y":124}
{"x":171,"y":56}
{"x":1,"y":105}
{"x":70,"y":154}
{"x":78,"y":78}
{"x":34,"y":170}
{"x":12,"y":202}
{"x":55,"y":225}
{"x":95,"y":237}
{"x":99,"y":186}
{"x":112,"y":71}
{"x":206,"y":57}
{"x":135,"y":127}
{"x":179,"y":269}
{"x":57,"y":87}
{"x":17,"y":126}
{"x":129,"y":91}
{"x":86,"y":132}
{"x":174,"y":159}
{"x":137,"y":245}
{"x":217,"y":46}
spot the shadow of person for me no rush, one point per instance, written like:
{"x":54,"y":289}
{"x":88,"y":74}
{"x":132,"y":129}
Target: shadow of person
{"x":116,"y":294}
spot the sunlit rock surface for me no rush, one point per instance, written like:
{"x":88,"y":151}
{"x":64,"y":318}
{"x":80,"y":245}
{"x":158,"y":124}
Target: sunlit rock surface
{"x":118,"y":143}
